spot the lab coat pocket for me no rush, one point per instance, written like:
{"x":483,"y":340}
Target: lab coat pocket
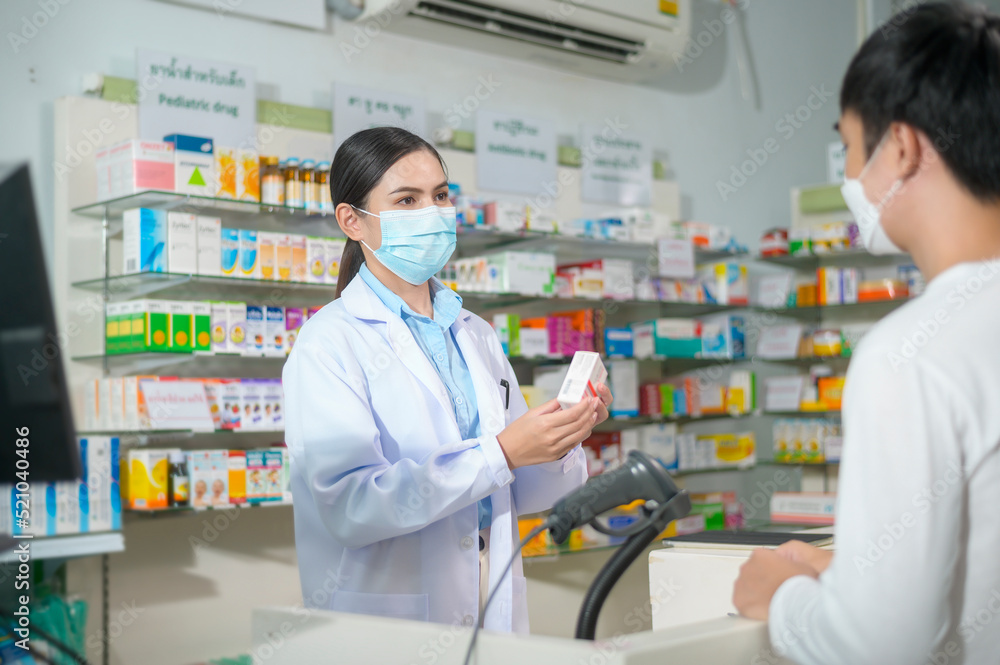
{"x":412,"y":606}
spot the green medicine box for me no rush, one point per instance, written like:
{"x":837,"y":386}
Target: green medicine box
{"x":181,"y":327}
{"x":202,"y":339}
{"x":112,"y":333}
{"x":151,"y":325}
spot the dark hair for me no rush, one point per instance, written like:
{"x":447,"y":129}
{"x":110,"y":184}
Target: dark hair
{"x":357,"y":168}
{"x":935,"y":67}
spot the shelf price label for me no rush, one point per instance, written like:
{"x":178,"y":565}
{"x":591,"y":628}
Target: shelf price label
{"x":516,"y":154}
{"x":206,"y":98}
{"x":356,"y":108}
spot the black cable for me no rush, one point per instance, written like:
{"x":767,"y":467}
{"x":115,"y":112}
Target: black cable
{"x":586,"y":626}
{"x":59,"y":644}
{"x":524,"y":541}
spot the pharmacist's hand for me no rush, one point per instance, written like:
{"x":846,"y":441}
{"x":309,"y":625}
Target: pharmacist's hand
{"x":548,"y":432}
{"x":759,"y":579}
{"x":800,"y":552}
{"x":606,"y":398}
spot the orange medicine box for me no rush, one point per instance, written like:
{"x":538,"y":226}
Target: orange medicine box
{"x":831,"y":389}
{"x":237,"y":476}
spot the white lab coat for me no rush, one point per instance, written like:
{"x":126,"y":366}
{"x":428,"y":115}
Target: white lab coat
{"x":385,"y":490}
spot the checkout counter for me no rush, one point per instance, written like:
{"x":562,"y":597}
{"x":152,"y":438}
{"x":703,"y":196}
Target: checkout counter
{"x":693,"y":621}
{"x":295,"y":637}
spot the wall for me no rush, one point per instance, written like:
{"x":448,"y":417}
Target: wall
{"x":192,"y":602}
{"x":696,"y":116}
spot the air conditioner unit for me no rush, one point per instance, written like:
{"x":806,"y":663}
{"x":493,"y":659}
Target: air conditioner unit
{"x":624,"y":40}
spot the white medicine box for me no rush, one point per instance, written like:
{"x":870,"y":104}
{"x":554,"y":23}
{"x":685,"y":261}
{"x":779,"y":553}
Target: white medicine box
{"x":194,"y":165}
{"x":585,"y":372}
{"x":182,"y":243}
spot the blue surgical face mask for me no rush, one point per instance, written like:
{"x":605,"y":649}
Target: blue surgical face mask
{"x":415,"y":243}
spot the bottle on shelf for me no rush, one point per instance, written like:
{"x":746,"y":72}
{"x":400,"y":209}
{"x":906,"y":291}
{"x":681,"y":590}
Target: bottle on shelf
{"x":310,"y":191}
{"x":323,"y":184}
{"x":293,"y":183}
{"x":178,"y":490}
{"x":272,"y":182}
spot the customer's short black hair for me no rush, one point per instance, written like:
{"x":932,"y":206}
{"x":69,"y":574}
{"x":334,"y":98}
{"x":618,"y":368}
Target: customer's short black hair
{"x":936,"y":67}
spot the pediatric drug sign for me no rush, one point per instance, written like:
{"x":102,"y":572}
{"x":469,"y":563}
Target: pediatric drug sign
{"x":514,"y":153}
{"x":180,"y":95}
{"x":356,"y":108}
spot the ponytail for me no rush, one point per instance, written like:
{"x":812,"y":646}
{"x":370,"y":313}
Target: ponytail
{"x":350,"y":265}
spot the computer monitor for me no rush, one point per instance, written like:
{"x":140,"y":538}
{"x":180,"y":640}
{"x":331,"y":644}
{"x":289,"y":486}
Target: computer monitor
{"x":34,"y":401}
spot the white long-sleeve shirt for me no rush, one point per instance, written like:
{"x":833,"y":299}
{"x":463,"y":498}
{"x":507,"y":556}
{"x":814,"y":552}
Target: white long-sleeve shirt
{"x":916,"y":574}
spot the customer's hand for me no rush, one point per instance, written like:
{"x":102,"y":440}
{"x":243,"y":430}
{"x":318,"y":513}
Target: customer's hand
{"x":759,"y":579}
{"x":800,"y":552}
{"x":548,"y":432}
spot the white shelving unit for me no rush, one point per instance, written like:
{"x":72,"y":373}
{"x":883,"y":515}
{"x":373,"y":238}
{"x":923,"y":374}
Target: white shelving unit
{"x":67,"y":547}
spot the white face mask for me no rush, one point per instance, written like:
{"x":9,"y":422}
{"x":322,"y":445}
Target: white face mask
{"x":867,"y":214}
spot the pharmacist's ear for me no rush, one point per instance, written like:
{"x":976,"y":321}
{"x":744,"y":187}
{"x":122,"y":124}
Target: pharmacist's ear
{"x":349,"y":221}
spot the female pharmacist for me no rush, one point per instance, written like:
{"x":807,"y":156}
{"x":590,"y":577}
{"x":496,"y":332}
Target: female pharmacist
{"x":916,"y":574}
{"x":413,"y":451}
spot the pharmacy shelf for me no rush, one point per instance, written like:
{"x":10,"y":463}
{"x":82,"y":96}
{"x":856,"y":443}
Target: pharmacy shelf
{"x":291,"y":294}
{"x":714,"y":469}
{"x":471,"y":239}
{"x":613,"y":424}
{"x":674,"y":364}
{"x":186,"y":364}
{"x":574,"y":248}
{"x":182,"y":510}
{"x":806,"y":361}
{"x":203,"y":205}
{"x":803,"y":414}
{"x":874,"y":308}
{"x":202,"y":287}
{"x":529,"y":552}
{"x":65,"y":547}
{"x":854,"y":258}
{"x":542,"y":305}
{"x":213,"y":438}
{"x":818,"y":465}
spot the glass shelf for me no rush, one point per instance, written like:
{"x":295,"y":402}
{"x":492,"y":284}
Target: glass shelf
{"x":586,"y":248}
{"x":204,"y":287}
{"x":715,"y":469}
{"x":873,"y":308}
{"x":65,"y":547}
{"x":248,"y":214}
{"x":676,"y":364}
{"x":162,"y":200}
{"x":218,"y":438}
{"x":180,"y":510}
{"x":529,"y":552}
{"x":853,"y":258}
{"x":803,"y":414}
{"x":633,"y":421}
{"x":471,"y":239}
{"x":805,"y":361}
{"x":548,"y":304}
{"x":187,"y":364}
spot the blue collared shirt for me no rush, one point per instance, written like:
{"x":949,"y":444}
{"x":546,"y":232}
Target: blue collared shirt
{"x":437,"y":340}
